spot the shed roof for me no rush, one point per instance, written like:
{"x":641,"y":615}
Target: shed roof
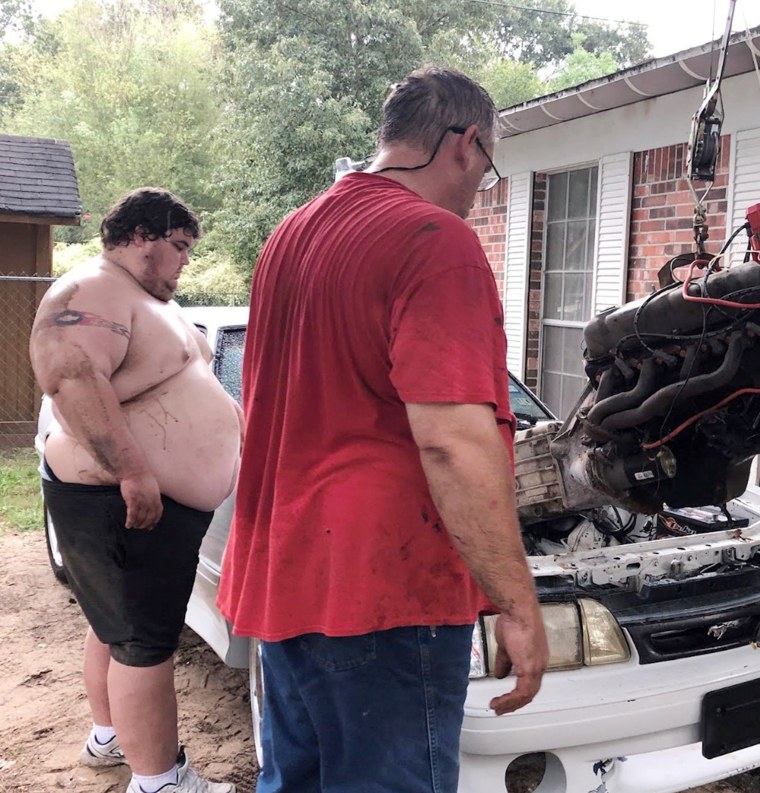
{"x":37,"y":178}
{"x":657,"y":77}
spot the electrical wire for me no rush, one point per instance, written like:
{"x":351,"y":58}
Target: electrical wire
{"x":557,"y":13}
{"x":686,"y":379}
{"x":640,"y":311}
{"x":697,"y":336}
{"x":640,"y":335}
{"x":712,"y":301}
{"x":681,"y":427}
{"x":710,"y":269}
{"x":624,"y":527}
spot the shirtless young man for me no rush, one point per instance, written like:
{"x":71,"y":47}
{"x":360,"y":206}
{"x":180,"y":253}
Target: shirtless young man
{"x":145,"y":447}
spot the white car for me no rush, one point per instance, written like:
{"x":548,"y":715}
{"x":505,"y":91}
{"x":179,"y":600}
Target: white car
{"x":654,"y":678}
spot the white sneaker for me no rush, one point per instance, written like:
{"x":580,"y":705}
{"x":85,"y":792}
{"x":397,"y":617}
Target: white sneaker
{"x":188,"y":781}
{"x":101,"y":755}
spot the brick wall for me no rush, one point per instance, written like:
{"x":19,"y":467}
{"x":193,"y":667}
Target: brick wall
{"x":489,"y":219}
{"x":662,"y":209}
{"x":535,"y":270}
{"x":662,"y":213}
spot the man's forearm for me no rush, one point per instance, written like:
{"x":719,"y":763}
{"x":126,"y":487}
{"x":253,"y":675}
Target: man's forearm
{"x":92,"y":412}
{"x":472,"y":488}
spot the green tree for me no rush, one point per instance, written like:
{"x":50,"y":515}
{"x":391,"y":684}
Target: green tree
{"x":510,"y":82}
{"x":627,"y":43}
{"x":581,"y":65}
{"x":17,"y":23}
{"x":15,"y":16}
{"x":304,"y":89}
{"x":305,"y":83}
{"x":132,"y":87}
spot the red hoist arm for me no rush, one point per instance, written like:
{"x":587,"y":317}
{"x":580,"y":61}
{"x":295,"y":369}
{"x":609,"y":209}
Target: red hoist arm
{"x":753,"y":221}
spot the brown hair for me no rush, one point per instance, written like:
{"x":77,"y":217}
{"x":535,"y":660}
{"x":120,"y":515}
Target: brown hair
{"x":424,"y":104}
{"x":157,"y":212}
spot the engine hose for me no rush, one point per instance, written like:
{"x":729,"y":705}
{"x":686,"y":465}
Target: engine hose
{"x":619,"y":402}
{"x":661,"y":401}
{"x":689,"y":361}
{"x":606,"y":384}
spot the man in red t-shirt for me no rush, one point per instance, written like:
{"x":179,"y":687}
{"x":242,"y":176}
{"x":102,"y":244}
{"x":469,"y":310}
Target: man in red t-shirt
{"x":375,"y":514}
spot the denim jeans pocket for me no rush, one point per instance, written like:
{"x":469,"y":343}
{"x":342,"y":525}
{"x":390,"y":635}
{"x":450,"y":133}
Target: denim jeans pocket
{"x":339,"y":653}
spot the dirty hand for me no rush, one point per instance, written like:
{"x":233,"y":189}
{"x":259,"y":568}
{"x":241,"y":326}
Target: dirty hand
{"x":143,"y":499}
{"x":523,"y":651}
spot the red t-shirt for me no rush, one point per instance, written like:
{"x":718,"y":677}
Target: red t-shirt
{"x":365,"y":299}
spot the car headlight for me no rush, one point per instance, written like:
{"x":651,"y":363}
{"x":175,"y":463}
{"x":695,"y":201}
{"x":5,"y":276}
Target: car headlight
{"x":579,"y":634}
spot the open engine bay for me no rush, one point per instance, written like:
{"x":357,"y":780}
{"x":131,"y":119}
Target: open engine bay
{"x":659,"y":447}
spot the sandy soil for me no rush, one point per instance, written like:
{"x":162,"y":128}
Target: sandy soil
{"x":43,"y":711}
{"x":44,"y":716}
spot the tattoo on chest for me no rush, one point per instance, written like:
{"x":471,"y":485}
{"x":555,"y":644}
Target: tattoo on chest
{"x":69,"y":317}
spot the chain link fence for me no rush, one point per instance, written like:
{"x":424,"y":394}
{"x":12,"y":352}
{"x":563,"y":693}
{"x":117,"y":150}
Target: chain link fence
{"x":20,"y":396}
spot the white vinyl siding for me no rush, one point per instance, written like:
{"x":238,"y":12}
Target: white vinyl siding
{"x":519,"y":213}
{"x":745,"y":181}
{"x":612,"y":234}
{"x":746,"y":187}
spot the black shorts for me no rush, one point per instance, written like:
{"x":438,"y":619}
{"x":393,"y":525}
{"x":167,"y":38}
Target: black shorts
{"x":132,"y":584}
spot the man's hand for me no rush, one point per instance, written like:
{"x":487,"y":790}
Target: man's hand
{"x":468,"y":469}
{"x":522,"y":650}
{"x":143,"y":499}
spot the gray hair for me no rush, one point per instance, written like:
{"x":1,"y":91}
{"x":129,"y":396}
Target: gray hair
{"x":421,"y":107}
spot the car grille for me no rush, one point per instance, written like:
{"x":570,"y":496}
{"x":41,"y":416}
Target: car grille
{"x":683,"y":619}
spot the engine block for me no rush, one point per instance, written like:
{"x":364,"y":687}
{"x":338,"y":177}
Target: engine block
{"x":671,"y":412}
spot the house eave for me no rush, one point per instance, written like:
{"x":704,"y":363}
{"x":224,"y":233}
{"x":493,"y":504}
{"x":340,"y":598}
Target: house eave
{"x":39,"y":219}
{"x":658,"y":77}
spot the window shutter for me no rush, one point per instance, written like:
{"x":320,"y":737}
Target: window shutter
{"x":519,"y":213}
{"x":746,"y":184}
{"x":612,"y":235}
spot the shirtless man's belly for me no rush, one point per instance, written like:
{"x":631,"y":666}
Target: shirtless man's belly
{"x":188,"y":429}
{"x":133,"y":389}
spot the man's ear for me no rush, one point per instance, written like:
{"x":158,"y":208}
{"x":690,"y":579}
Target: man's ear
{"x":465,"y":146}
{"x":138,"y":237}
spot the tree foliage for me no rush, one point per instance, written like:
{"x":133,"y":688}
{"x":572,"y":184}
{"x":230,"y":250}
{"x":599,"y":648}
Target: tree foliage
{"x":306,"y":80}
{"x":245,"y":121}
{"x":15,"y":16}
{"x":131,"y":87}
{"x":582,"y":65}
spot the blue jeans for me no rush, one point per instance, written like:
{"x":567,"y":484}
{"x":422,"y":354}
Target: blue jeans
{"x":378,"y":713}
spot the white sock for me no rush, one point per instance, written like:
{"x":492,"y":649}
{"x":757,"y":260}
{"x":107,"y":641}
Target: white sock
{"x":102,"y":733}
{"x":152,"y":784}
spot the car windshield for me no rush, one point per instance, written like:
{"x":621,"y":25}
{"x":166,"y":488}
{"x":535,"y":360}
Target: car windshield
{"x":228,"y":364}
{"x":527,"y":409}
{"x":228,"y":367}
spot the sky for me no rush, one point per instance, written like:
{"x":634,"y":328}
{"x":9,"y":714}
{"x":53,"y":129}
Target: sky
{"x":673,"y":25}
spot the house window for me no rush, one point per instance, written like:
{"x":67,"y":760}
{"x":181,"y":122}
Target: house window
{"x":569,"y":245}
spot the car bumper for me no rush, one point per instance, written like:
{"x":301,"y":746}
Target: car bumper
{"x":205,"y":619}
{"x":625,"y":727}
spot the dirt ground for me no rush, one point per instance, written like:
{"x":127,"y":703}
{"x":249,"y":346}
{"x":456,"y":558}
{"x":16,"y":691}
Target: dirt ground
{"x":44,"y":716}
{"x":43,"y":711}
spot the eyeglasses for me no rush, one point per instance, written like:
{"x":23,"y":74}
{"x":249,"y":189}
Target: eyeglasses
{"x":490,"y":177}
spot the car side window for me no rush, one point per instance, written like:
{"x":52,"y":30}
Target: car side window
{"x":524,"y":405}
{"x":228,"y":361}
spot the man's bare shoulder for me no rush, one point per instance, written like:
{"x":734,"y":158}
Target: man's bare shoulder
{"x":94,"y":294}
{"x":96,"y":283}
{"x":96,"y":277}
